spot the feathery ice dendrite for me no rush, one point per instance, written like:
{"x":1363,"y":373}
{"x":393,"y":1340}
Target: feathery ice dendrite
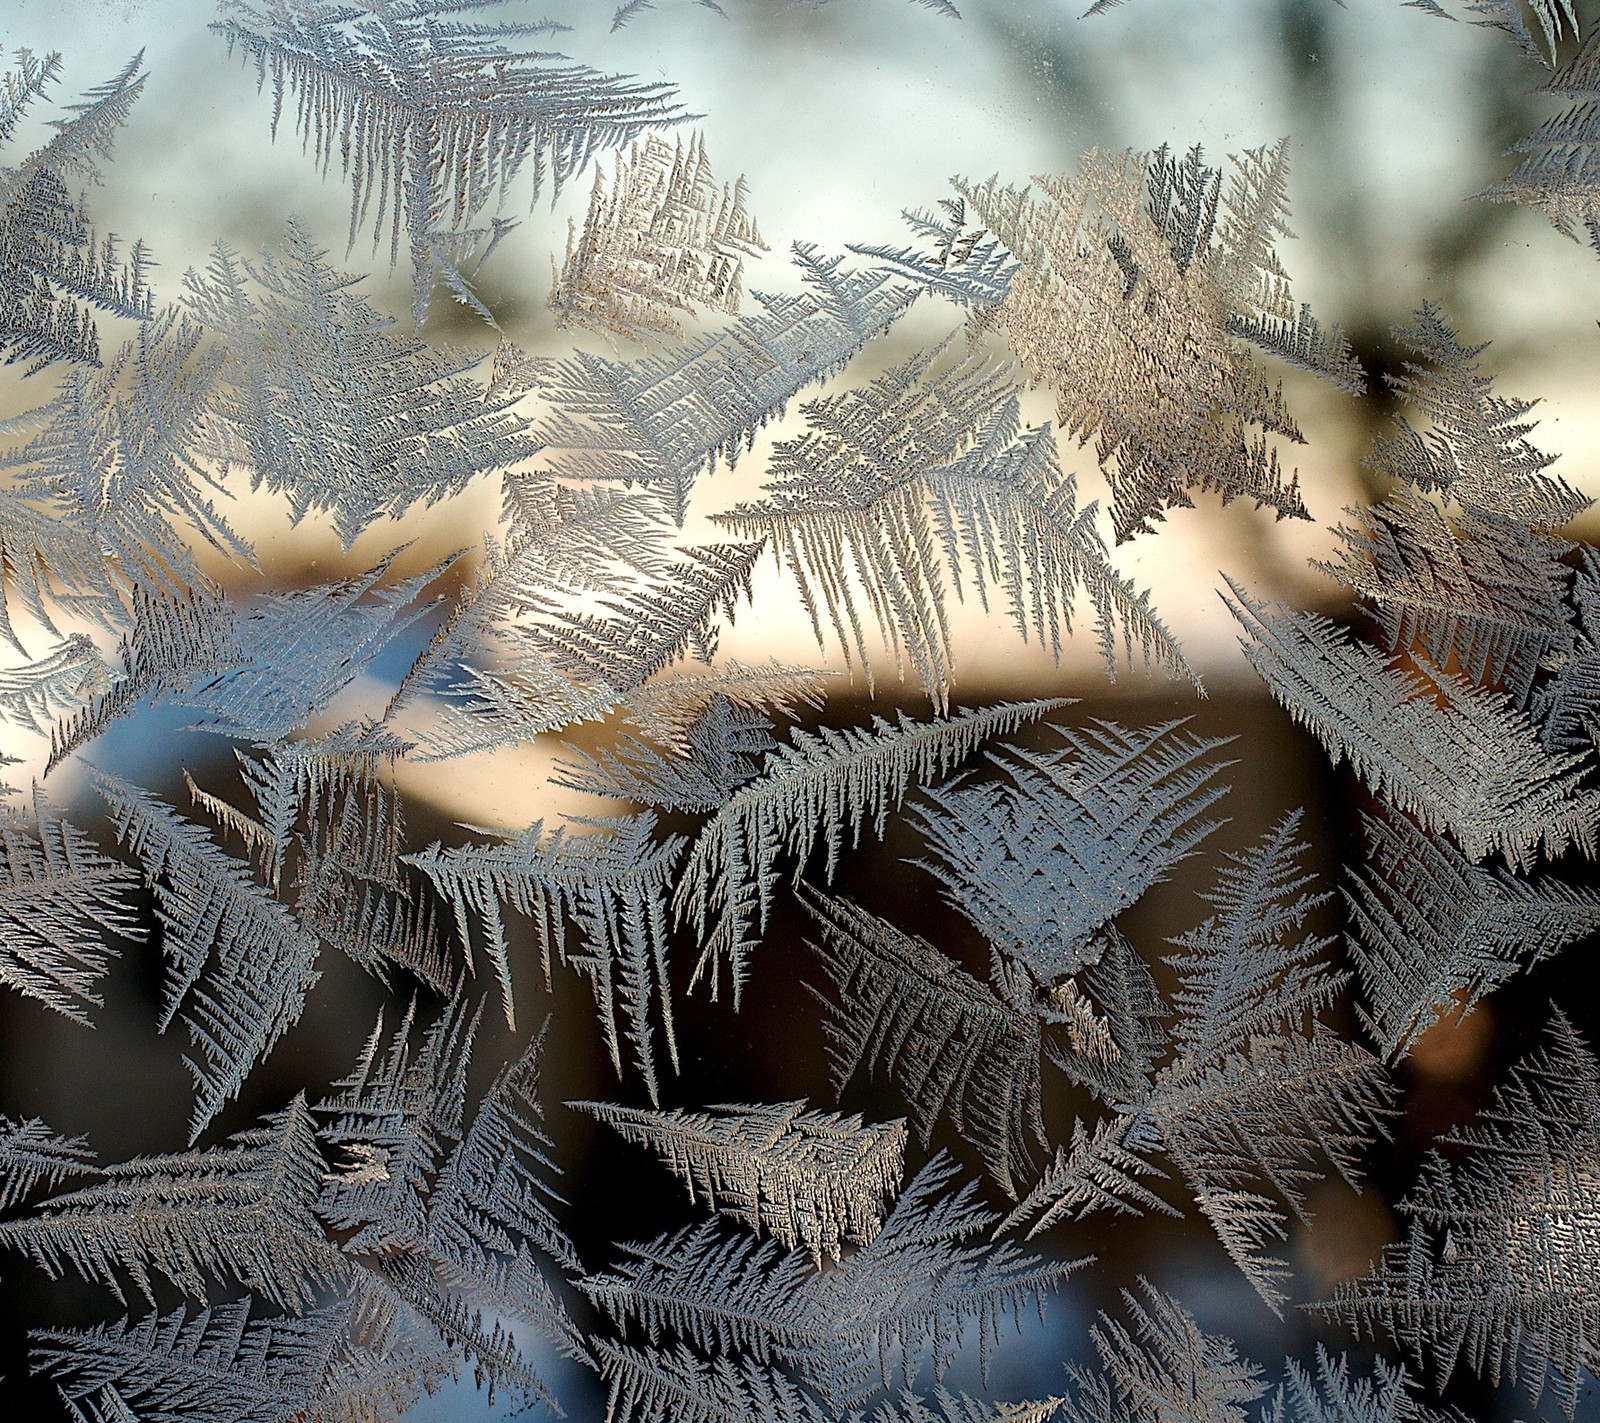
{"x":383,"y":1237}
{"x":1461,"y":758}
{"x":1558,"y":164}
{"x":1473,"y":451}
{"x":924,"y":480}
{"x":1433,"y":933}
{"x":812,"y":1180}
{"x":1042,"y":861}
{"x":819,"y":787}
{"x":1140,"y":291}
{"x":663,"y":420}
{"x":664,"y":238}
{"x":1255,"y":1087}
{"x":723,"y":748}
{"x":799,"y":1343}
{"x":432,"y":116}
{"x":53,"y":267}
{"x":320,"y":401}
{"x":242,"y":1211}
{"x":1499,"y":1268}
{"x":612,"y":883}
{"x":953,"y":1047}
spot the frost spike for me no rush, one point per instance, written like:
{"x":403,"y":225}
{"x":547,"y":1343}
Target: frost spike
{"x":815,"y":1180}
{"x":818,"y":787}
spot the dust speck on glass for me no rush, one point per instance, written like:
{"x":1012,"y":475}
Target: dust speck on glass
{"x":766,"y":712}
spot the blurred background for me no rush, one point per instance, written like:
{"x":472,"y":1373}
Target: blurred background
{"x":839,"y":116}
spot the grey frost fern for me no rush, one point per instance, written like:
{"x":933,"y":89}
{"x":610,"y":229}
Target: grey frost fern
{"x":350,"y":1252}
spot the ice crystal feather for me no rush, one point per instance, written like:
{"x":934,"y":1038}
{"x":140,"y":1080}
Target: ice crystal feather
{"x":322,"y":780}
{"x":325,"y":815}
{"x":1248,"y":1137}
{"x":723,"y":748}
{"x":511,"y":704}
{"x":53,"y":267}
{"x":1553,"y":21}
{"x":105,"y":1407}
{"x":387,"y":1127}
{"x":112,"y":477}
{"x":1461,"y":759}
{"x":1160,"y":1366}
{"x":1119,"y":982}
{"x":1558,"y":164}
{"x":240,"y":1212}
{"x":824,"y":1342}
{"x":675,"y":1386}
{"x":64,"y":679}
{"x":718,"y":1293}
{"x":663,"y":239}
{"x":1255,"y":1087}
{"x":216,"y":1366}
{"x":1434,"y":933}
{"x":1567,"y":705}
{"x":491,"y":1207}
{"x":425,"y":1331}
{"x":819,"y":787}
{"x":809,"y":1179}
{"x":350,"y":888}
{"x":1258,"y":1087}
{"x":31,"y":1154}
{"x":930,"y":1274}
{"x":1486,"y":591}
{"x":116,"y":457}
{"x":1102,"y":1168}
{"x":258,"y":672}
{"x":297,"y":650}
{"x":563,"y":543}
{"x":239,"y":965}
{"x":920,"y":481}
{"x":492,"y":673}
{"x":947,"y":1407}
{"x":950,"y":1044}
{"x":1140,"y":290}
{"x":176,"y":640}
{"x":219,"y":1367}
{"x":636,"y":636}
{"x":419,"y":1246}
{"x":1241,"y":974}
{"x":432,"y":117}
{"x":1332,"y":1394}
{"x":318,"y":400}
{"x":46,"y":561}
{"x":381,"y":1372}
{"x":62,"y":903}
{"x":589,"y":539}
{"x":1042,"y":861}
{"x":666,"y":706}
{"x":966,"y":266}
{"x":448,"y":1221}
{"x":1475,"y":452}
{"x":1496,"y":1271}
{"x":612,"y":883}
{"x":213,"y":909}
{"x":664,"y":420}
{"x":84,"y":140}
